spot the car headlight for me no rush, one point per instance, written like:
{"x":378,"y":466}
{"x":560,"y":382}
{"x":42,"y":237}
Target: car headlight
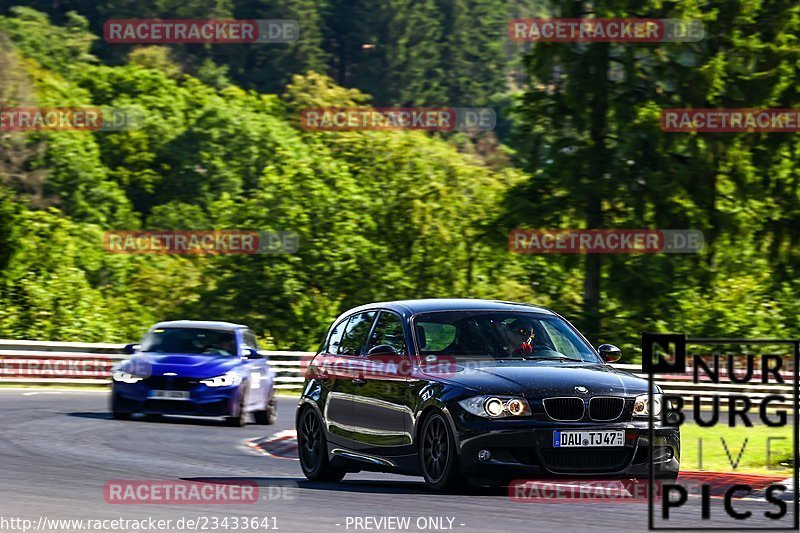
{"x":227,"y":380}
{"x":125,"y":377}
{"x":496,"y":406}
{"x":641,"y":406}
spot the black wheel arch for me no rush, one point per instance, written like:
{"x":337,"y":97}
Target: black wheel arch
{"x":440,"y":408}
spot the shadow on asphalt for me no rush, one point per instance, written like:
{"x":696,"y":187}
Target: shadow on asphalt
{"x":157,"y":419}
{"x":356,"y":486}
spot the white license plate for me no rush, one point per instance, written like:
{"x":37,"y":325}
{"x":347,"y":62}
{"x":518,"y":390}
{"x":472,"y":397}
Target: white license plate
{"x":585,"y":439}
{"x":169,"y":394}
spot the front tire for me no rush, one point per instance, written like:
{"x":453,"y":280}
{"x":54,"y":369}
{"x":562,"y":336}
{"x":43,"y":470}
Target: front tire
{"x":312,"y":448}
{"x":438,"y":456}
{"x":239,"y":420}
{"x":116,"y":413}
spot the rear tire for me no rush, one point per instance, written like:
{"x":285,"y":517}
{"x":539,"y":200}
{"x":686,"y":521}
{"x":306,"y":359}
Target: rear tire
{"x":312,"y":448}
{"x":269,"y":415}
{"x":438,"y":456}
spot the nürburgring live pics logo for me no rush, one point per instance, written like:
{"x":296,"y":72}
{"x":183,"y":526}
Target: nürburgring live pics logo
{"x":778,"y":507}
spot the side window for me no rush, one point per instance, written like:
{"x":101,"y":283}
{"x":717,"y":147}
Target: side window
{"x":435,"y":337}
{"x":336,"y":337}
{"x":356,"y":333}
{"x":389,"y":330}
{"x":250,"y":339}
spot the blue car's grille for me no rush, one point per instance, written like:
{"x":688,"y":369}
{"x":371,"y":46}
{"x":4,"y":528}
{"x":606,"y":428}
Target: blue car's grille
{"x":171,"y":407}
{"x":170,"y":383}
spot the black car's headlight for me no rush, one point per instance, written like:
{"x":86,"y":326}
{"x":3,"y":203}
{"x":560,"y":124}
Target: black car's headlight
{"x":230,"y":378}
{"x":496,"y":406}
{"x":641,"y":406}
{"x":125,"y":377}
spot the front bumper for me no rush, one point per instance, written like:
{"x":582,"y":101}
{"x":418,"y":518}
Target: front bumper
{"x":202,"y":401}
{"x":523,"y":449}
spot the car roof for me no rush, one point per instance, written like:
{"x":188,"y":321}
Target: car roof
{"x":408,"y":308}
{"x":200,"y":324}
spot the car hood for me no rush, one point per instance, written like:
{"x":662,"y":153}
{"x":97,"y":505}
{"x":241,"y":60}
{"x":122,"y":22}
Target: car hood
{"x":541,"y":378}
{"x":182,"y":365}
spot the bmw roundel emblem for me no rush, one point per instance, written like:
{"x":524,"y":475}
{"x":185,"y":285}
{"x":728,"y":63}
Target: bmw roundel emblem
{"x":581,"y":389}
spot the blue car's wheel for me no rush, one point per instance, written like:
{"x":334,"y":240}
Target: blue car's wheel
{"x":269,"y":415}
{"x":116,"y":412}
{"x":240,"y":419}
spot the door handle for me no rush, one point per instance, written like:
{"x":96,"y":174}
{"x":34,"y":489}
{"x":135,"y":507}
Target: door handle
{"x":360,"y":382}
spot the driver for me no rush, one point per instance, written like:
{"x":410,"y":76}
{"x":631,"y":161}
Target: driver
{"x":520,"y":335}
{"x":227,"y":347}
{"x":224,"y":347}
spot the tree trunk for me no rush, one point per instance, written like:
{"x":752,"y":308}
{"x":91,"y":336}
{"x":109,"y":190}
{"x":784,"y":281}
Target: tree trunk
{"x":598,"y":166}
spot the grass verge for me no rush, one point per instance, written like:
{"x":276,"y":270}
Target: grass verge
{"x":718,"y":448}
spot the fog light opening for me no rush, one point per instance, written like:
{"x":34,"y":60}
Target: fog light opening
{"x":484,"y":455}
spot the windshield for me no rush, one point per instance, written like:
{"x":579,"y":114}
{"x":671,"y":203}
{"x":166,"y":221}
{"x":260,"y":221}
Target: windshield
{"x":499,"y":335}
{"x":190,"y":341}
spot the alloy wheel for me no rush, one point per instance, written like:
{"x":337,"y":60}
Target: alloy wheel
{"x":310,"y":440}
{"x":435,"y":448}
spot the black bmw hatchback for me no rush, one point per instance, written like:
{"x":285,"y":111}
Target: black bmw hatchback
{"x":473,"y":390}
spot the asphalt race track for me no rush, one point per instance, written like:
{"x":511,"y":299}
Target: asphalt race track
{"x":59,"y":449}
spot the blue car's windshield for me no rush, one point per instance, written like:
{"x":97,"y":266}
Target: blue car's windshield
{"x":190,"y":341}
{"x":499,"y":335}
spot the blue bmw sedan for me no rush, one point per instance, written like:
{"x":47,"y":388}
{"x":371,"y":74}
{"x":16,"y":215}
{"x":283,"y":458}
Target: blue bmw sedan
{"x":195,"y":368}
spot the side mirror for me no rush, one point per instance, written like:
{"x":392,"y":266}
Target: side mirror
{"x":383,"y":349}
{"x":131,"y":349}
{"x":609,"y":353}
{"x":252,"y":353}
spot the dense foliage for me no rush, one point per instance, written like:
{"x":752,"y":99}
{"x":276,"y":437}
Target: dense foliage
{"x":386,"y":215}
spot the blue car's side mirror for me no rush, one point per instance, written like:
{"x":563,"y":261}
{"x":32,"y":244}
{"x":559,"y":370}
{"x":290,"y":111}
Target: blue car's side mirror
{"x":252,"y":353}
{"x":131,"y":349}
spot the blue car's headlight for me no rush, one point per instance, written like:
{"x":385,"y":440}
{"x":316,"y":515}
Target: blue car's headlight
{"x":229,"y":379}
{"x":125,"y":377}
{"x":496,"y":407}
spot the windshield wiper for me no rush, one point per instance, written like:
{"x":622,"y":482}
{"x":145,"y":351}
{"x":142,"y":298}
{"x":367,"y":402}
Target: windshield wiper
{"x":556,"y":358}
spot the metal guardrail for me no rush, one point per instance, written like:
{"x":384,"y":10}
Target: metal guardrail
{"x":74,"y":363}
{"x":45,"y":362}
